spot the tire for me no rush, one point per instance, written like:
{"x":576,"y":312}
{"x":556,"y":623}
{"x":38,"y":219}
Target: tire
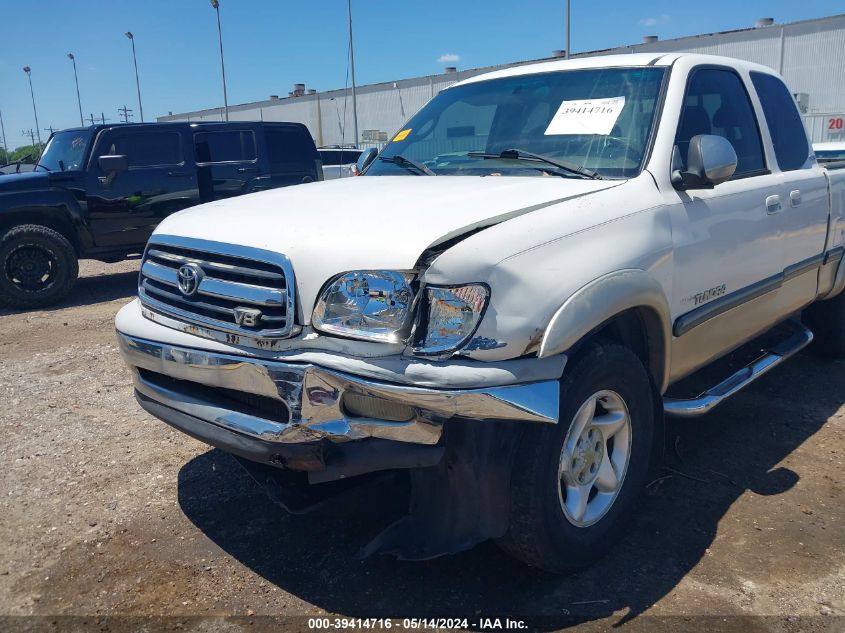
{"x":38,"y":267}
{"x":542,"y":533}
{"x":826,"y":319}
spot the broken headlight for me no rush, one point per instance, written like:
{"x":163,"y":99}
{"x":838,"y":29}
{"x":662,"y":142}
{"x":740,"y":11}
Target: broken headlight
{"x":454,"y":313}
{"x":372,"y":305}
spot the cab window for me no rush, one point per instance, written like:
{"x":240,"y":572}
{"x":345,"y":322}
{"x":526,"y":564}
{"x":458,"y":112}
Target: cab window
{"x":785,"y":127}
{"x":716,"y":102}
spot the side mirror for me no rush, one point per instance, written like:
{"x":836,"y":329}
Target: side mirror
{"x":364,"y":160}
{"x":113,"y":163}
{"x":711,"y":160}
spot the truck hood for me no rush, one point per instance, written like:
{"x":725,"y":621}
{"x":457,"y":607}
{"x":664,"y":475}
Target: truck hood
{"x":24,"y":181}
{"x":376,"y":222}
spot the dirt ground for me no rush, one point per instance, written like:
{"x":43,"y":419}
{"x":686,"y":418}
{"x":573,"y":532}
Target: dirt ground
{"x":108,"y":513}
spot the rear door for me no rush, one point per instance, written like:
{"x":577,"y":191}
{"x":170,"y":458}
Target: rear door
{"x":804,"y":203}
{"x":125,"y":207}
{"x":227,"y":161}
{"x":291,"y":156}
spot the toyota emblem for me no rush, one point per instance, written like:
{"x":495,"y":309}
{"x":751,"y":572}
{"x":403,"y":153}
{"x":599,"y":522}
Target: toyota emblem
{"x":188,"y":277}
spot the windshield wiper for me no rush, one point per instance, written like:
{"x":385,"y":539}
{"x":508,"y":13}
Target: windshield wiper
{"x":398,"y":159}
{"x":521,"y":154}
{"x":37,"y":165}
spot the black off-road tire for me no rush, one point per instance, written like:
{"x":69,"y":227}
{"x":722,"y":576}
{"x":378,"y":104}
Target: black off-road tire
{"x":44,"y":250}
{"x":826,"y":319}
{"x":539,"y":532}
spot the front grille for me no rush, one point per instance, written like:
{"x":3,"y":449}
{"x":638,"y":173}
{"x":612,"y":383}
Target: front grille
{"x":235,"y":289}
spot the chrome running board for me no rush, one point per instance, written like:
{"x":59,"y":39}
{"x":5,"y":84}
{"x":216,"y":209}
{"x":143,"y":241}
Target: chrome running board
{"x":714,"y":396}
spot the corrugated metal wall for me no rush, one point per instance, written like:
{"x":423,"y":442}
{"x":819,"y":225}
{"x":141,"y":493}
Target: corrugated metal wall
{"x":810,"y":55}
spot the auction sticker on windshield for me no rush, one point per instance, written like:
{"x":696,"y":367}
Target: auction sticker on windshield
{"x":401,"y":136}
{"x":586,"y":116}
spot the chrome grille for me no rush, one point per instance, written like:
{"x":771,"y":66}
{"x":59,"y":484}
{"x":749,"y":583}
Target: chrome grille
{"x":236,"y":290}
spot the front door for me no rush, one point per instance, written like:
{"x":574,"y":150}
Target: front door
{"x":728,"y":254}
{"x":125,"y":207}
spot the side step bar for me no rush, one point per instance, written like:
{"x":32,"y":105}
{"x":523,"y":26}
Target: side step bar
{"x":714,"y":396}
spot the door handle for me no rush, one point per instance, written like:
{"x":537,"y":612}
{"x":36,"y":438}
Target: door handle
{"x":248,"y":170}
{"x":773,"y":204}
{"x":795,"y":198}
{"x":178,"y":174}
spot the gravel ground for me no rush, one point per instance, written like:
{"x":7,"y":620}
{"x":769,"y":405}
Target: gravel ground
{"x":106,"y":512}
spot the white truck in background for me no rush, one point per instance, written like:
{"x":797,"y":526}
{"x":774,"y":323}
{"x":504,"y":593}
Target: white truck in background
{"x":508,"y":301}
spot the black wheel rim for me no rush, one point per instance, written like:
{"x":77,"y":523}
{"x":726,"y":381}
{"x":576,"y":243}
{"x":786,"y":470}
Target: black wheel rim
{"x":31,"y":267}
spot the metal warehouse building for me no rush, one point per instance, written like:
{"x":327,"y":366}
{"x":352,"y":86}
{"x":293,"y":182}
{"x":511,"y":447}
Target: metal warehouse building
{"x":809,"y":54}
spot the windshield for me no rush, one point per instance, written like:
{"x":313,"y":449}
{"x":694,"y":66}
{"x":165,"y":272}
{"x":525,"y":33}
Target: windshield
{"x":599,"y":120}
{"x":66,"y":151}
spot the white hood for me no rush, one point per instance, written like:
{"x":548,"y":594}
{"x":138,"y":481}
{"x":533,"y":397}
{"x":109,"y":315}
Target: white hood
{"x":386,"y":222}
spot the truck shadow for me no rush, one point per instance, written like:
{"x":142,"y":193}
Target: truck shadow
{"x":713,"y":462}
{"x":91,"y":290}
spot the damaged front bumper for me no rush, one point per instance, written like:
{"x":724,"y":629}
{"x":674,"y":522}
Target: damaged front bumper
{"x":304,"y":417}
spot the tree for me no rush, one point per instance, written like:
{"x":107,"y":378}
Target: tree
{"x":33,"y":151}
{"x":4,"y":157}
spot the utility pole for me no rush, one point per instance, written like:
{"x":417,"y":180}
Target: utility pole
{"x":31,"y":136}
{"x":76,"y":78}
{"x":126,"y":113}
{"x":103,"y":117}
{"x":91,"y":118}
{"x":567,"y":31}
{"x":50,"y":129}
{"x":352,"y":65}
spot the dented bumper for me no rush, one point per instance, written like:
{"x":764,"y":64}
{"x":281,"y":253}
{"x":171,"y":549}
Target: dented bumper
{"x":275,"y":411}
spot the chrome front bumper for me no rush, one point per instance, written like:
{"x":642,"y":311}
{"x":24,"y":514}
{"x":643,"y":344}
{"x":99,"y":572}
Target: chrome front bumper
{"x":181,"y":385}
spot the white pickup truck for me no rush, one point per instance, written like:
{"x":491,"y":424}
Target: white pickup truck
{"x":504,"y":302}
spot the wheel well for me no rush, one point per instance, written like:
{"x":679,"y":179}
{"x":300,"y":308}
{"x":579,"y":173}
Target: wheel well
{"x":43,"y":217}
{"x":639,"y":330}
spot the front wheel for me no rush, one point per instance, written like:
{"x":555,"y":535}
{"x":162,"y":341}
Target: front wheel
{"x":38,"y":266}
{"x":576,"y":484}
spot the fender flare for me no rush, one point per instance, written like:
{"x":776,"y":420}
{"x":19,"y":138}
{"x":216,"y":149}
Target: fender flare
{"x":24,"y":207}
{"x":608,"y":296}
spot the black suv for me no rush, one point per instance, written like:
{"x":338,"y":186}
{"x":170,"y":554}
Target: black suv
{"x":99,"y":192}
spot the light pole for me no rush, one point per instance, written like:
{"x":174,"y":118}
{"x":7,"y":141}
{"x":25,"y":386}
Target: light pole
{"x":137,"y":81}
{"x":567,"y":30}
{"x":3,"y":132}
{"x":76,"y":78}
{"x":352,"y":65}
{"x":28,"y":72}
{"x":216,"y":5}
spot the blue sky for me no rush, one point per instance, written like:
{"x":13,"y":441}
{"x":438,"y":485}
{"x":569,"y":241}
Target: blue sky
{"x":271,"y":44}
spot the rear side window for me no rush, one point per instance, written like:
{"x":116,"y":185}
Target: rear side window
{"x":717,"y":103}
{"x":237,"y":146}
{"x":289,"y":145}
{"x":339,"y":157}
{"x":146,"y":149}
{"x":788,"y":134}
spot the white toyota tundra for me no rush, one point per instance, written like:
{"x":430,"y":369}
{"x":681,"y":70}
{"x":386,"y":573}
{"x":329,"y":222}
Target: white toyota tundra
{"x":507,"y":302}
